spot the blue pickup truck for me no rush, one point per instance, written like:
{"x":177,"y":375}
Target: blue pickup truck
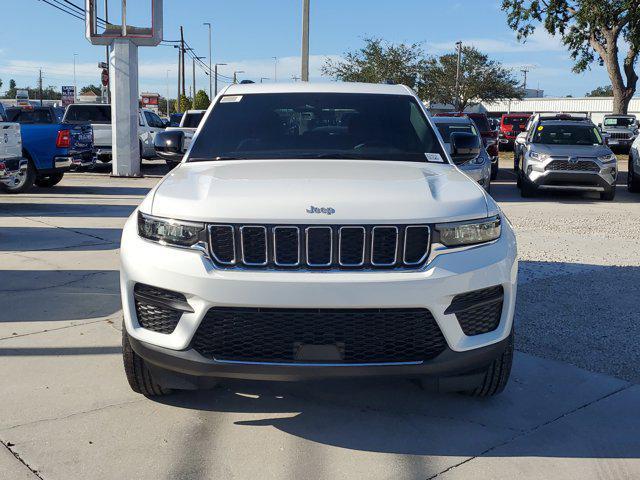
{"x":50,"y":147}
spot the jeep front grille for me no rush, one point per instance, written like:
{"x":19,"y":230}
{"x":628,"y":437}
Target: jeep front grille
{"x":319,"y":246}
{"x":579,"y":166}
{"x":310,"y":335}
{"x":621,"y":135}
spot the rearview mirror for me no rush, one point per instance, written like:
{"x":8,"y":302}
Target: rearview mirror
{"x":464,"y":147}
{"x":168,"y":144}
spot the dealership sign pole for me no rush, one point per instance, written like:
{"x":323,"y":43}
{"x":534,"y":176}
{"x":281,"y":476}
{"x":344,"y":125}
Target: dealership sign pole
{"x":124,"y":41}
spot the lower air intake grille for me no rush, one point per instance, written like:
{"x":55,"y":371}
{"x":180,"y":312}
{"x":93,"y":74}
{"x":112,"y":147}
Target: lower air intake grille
{"x":157,"y":309}
{"x":478,"y":311}
{"x":355,"y":335}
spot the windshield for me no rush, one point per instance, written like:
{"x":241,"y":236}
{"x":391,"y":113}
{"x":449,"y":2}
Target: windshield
{"x":192,"y":120}
{"x":567,"y":135}
{"x":482,"y":122}
{"x":37,"y":115}
{"x":88,"y":113}
{"x":619,"y":121}
{"x":317,"y":125}
{"x":446,"y":129}
{"x":515,"y":121}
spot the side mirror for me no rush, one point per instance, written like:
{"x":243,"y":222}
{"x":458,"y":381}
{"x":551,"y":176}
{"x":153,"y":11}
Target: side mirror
{"x":600,"y":126}
{"x":464,"y":147}
{"x":168,"y":144}
{"x":521,"y":138}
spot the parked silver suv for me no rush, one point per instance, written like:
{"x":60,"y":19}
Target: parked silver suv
{"x":621,"y":130}
{"x":567,"y":155}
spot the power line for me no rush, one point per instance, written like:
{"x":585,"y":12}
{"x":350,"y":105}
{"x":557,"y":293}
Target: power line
{"x":68,"y":12}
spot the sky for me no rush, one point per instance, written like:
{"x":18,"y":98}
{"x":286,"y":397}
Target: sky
{"x":247,"y":35}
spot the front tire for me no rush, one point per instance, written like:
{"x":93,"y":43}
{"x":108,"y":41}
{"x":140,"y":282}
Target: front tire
{"x":48,"y":181}
{"x":633,"y":178}
{"x":494,"y":171}
{"x":497,"y":375}
{"x":527,"y":189}
{"x":608,"y":195}
{"x":138,"y":374}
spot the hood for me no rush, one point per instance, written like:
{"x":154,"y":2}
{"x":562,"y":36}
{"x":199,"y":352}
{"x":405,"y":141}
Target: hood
{"x":283,"y":191}
{"x":572,"y":150}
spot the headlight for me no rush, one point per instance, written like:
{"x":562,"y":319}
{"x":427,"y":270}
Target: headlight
{"x":168,"y":231}
{"x":541,"y":157}
{"x":469,"y":232}
{"x":608,"y":158}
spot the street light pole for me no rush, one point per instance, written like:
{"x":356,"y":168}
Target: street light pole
{"x":193,"y":98}
{"x":459,"y":46}
{"x":235,"y":75}
{"x":263,"y":78}
{"x":275,"y":69}
{"x":210,"y":91}
{"x":305,"y":40}
{"x":215,"y":74}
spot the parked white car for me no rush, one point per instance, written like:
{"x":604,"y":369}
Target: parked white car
{"x":99,"y":116}
{"x":318,"y":230}
{"x":188,"y":126}
{"x":12,"y":161}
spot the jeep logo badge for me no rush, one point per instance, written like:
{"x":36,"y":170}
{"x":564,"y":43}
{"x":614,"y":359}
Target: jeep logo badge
{"x":325,"y":210}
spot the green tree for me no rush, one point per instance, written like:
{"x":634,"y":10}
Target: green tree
{"x":90,"y":89}
{"x":185,"y":103}
{"x":377,"y":62}
{"x":481,"y":79}
{"x":11,"y":93}
{"x":201,"y":101}
{"x":606,"y":91}
{"x":592,"y":31}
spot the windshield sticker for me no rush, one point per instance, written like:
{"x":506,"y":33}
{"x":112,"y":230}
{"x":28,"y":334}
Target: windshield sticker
{"x":434,"y":157}
{"x":540,"y":128}
{"x":231,"y":99}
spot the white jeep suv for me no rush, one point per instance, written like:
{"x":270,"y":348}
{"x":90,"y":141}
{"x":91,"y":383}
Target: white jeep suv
{"x":318,"y":231}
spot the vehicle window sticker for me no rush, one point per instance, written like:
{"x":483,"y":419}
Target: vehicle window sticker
{"x":434,"y":157}
{"x":231,"y":99}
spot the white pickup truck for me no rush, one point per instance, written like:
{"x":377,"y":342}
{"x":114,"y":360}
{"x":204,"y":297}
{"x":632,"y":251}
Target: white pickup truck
{"x":12,"y":163}
{"x":188,"y":126}
{"x":99,"y":115}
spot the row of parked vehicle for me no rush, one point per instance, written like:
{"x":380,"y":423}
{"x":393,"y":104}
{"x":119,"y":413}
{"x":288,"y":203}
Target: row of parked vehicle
{"x":39,"y":144}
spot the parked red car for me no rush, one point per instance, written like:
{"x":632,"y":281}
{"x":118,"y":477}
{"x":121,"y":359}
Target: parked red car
{"x":489,"y":136}
{"x":511,"y":124}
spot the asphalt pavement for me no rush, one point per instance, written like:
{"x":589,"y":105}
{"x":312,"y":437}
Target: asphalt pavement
{"x":570,"y":410}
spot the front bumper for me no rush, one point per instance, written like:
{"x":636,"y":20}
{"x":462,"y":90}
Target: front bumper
{"x":599,"y":181}
{"x":620,"y":142}
{"x":9,"y":167}
{"x":192,"y":273}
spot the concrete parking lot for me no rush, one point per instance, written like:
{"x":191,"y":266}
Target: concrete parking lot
{"x":570,"y":411}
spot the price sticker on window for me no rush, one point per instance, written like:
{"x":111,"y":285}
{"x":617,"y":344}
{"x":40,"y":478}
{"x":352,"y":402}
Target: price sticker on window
{"x":434,"y":157}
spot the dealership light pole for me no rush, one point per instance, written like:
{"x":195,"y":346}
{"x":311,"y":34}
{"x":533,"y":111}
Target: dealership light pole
{"x":215,"y":74}
{"x":275,"y":69}
{"x":210,"y":91}
{"x":459,"y":46}
{"x":305,"y":40}
{"x":193,"y":99}
{"x":168,"y":105}
{"x":235,"y":75}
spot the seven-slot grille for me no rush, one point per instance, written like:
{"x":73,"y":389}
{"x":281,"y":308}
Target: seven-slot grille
{"x":580,"y":165}
{"x":319,"y":246}
{"x":620,"y":135}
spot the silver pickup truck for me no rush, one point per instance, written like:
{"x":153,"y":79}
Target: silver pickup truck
{"x":12,"y":163}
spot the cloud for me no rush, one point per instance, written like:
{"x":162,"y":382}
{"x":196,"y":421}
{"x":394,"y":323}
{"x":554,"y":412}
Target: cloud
{"x":540,"y":41}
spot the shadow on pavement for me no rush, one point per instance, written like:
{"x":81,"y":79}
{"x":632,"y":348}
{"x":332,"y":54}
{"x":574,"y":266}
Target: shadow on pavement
{"x":26,"y":239}
{"x":65,"y":210}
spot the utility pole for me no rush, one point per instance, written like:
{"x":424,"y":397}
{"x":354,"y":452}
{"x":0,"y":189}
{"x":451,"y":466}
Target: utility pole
{"x":40,"y":86}
{"x":210,"y":90}
{"x":524,"y":72}
{"x":275,"y":69}
{"x":179,"y":74}
{"x":182,"y":53}
{"x":215,"y":74}
{"x":305,"y":40}
{"x":193,"y":99}
{"x":459,"y":46}
{"x":168,"y":105}
{"x":106,"y":21}
{"x":75,"y":86}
